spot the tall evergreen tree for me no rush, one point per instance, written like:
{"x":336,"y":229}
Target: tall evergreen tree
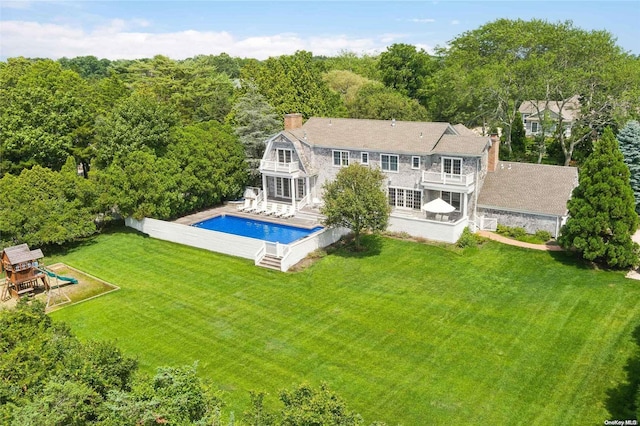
{"x":602,"y":209}
{"x":629,"y":139}
{"x":254,"y":120}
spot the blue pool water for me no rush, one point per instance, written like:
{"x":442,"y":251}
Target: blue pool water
{"x":252,"y":228}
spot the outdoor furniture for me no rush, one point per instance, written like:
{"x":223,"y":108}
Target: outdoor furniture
{"x":273,"y":211}
{"x":245,"y":206}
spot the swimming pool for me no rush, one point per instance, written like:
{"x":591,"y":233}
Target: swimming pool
{"x":259,"y":229}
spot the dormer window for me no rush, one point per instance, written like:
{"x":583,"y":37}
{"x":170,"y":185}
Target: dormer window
{"x":284,"y":156}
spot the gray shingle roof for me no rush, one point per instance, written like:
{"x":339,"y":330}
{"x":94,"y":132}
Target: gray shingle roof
{"x":21,"y":253}
{"x":570,"y":109}
{"x":374,"y":135}
{"x":534,"y":188}
{"x":468,"y":145}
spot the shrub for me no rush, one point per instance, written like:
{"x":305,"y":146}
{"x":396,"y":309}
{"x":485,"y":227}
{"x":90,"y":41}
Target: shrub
{"x":511,"y":232}
{"x":543,"y":236}
{"x":467,"y":239}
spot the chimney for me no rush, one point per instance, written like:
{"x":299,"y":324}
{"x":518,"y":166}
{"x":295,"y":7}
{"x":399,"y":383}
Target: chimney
{"x":494,"y":153}
{"x":292,"y":121}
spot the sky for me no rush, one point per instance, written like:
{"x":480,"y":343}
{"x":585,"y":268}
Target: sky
{"x":259,"y":29}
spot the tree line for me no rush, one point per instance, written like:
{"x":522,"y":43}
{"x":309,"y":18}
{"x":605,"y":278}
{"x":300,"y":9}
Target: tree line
{"x":159,"y":137}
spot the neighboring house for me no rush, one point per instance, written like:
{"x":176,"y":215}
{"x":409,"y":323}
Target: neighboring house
{"x":533,"y":112}
{"x":422,"y":161}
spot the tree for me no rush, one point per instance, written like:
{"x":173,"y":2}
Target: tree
{"x":138,"y":122}
{"x":45,"y":111}
{"x":602,"y":214}
{"x":211,"y":165}
{"x":378,"y":102}
{"x":363,"y":65}
{"x":405,"y":69}
{"x":488,"y":72}
{"x":41,"y":206}
{"x":255,"y":120}
{"x":293,"y":83}
{"x":305,"y":405}
{"x":88,"y":67}
{"x":629,"y":138}
{"x":355,"y":200}
{"x":518,"y":138}
{"x":140,"y":184}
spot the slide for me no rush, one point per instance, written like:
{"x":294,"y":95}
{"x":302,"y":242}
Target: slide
{"x":53,"y":274}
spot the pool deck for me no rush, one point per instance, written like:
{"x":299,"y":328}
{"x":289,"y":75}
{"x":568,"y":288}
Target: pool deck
{"x":304,"y":219}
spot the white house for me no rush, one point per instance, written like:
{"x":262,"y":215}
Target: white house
{"x":423,"y":161}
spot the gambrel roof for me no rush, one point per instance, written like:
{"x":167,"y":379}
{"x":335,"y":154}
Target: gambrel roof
{"x":528,"y":188}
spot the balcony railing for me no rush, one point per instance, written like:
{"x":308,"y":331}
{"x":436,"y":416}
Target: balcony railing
{"x":274,"y":166}
{"x":447,"y":178}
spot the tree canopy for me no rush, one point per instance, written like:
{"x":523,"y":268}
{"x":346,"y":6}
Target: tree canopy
{"x":629,"y":139}
{"x":355,"y":200}
{"x":602,"y":216}
{"x":293,"y":83}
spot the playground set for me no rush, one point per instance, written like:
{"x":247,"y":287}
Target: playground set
{"x":25,"y":275}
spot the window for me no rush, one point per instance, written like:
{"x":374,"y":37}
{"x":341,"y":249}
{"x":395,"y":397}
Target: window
{"x":301,"y":188}
{"x":452,"y":198}
{"x":340,"y":158}
{"x":364,"y":158}
{"x":534,"y":127}
{"x":415,"y":162}
{"x":452,"y":166}
{"x":283,"y":188}
{"x":389,"y":163}
{"x":284,"y":156}
{"x":408,"y":198}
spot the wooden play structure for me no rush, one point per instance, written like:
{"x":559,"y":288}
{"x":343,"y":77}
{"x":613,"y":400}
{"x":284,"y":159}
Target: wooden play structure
{"x":25,"y":274}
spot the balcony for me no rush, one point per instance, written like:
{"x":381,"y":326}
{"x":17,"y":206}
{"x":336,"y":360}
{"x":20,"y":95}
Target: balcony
{"x":442,"y":181}
{"x":274,"y":166}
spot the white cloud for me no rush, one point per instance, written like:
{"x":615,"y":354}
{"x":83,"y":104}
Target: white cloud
{"x":117,"y":39}
{"x":455,"y":22}
{"x":422,"y":21}
{"x":16,"y":4}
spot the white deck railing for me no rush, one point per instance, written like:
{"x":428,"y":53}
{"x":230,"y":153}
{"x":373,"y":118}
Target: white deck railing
{"x":274,"y":166}
{"x":447,"y":178}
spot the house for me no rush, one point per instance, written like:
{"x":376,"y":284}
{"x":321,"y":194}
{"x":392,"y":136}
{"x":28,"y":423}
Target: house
{"x":423,"y":161}
{"x":533,"y":112}
{"x":530,"y":196}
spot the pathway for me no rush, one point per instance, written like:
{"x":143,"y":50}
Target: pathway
{"x":512,"y":242}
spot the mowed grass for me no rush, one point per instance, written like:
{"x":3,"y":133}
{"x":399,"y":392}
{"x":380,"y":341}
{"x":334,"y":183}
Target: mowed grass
{"x":414,"y":334}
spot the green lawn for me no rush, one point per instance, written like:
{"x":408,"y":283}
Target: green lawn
{"x":415,"y":334}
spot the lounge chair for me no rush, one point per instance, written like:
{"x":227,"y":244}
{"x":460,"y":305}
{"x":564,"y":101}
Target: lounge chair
{"x":291,"y":212}
{"x":245,"y":206}
{"x":273,"y":210}
{"x":262,"y":208}
{"x":254,"y":207}
{"x":281,"y":213}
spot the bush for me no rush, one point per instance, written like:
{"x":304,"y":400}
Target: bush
{"x":511,"y":232}
{"x":543,"y":235}
{"x":467,"y":239}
